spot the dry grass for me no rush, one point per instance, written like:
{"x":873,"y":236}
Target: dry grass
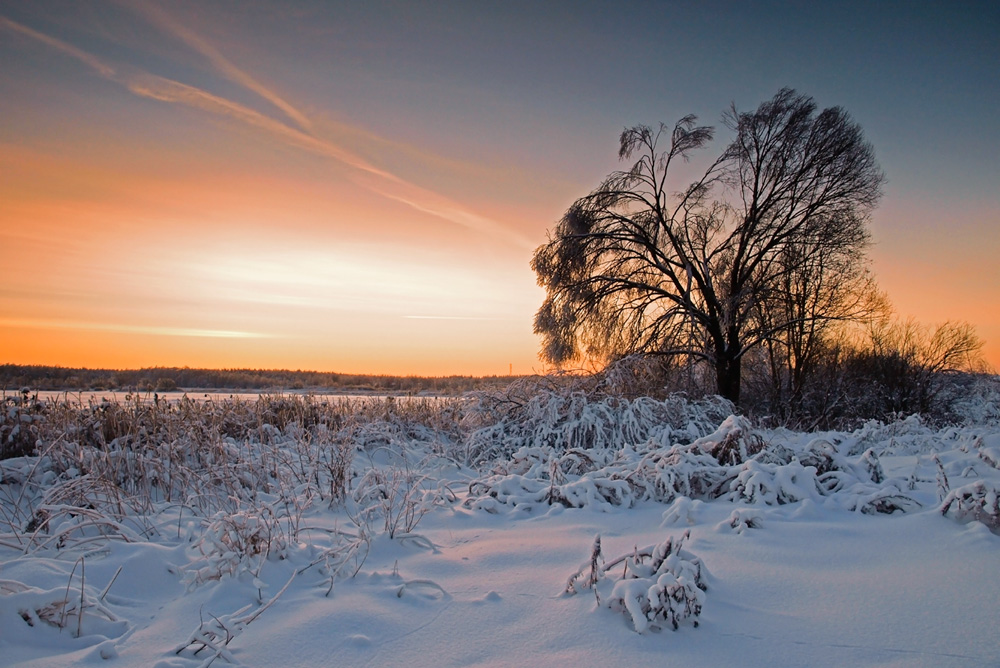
{"x":111,"y":469}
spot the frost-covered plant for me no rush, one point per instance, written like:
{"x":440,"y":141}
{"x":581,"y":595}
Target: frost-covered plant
{"x":873,"y":466}
{"x":575,"y":417}
{"x":216,"y":633}
{"x":751,"y":470}
{"x":742,"y":519}
{"x":330,"y":460}
{"x":75,"y":607}
{"x":980,"y":404}
{"x":774,"y":485}
{"x":664,"y":475}
{"x":943,"y":486}
{"x":659,"y":586}
{"x":976,"y":502}
{"x":344,"y":560}
{"x":885,"y":500}
{"x":20,"y":418}
{"x":733,"y":442}
{"x":394,"y":495}
{"x":683,"y":510}
{"x":233,"y":542}
{"x":988,"y":450}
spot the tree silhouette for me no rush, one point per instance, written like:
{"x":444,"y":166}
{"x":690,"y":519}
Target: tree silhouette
{"x":709,"y":272}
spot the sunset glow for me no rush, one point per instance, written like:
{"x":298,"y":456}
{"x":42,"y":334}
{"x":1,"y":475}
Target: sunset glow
{"x":360,"y":189}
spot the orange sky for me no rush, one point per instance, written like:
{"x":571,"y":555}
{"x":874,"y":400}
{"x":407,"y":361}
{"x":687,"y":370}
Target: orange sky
{"x":186,"y":184}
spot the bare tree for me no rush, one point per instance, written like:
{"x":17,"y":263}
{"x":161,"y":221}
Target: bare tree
{"x":818,"y":296}
{"x":911,"y":364}
{"x":633,"y":268}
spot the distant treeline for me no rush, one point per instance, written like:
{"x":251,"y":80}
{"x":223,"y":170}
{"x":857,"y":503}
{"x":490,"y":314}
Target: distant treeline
{"x":13,"y":377}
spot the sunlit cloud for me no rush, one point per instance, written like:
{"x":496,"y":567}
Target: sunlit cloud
{"x":163,"y":89}
{"x":445,"y":317}
{"x":435,"y":205}
{"x":130,"y":329}
{"x":352,"y":280}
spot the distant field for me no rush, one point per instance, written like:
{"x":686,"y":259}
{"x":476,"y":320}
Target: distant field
{"x":14,"y":377}
{"x":214,"y":394}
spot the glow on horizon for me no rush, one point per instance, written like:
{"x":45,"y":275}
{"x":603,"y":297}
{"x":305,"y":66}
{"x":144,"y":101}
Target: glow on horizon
{"x":179,"y":188}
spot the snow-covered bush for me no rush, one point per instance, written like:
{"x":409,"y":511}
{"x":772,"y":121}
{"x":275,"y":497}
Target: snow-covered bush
{"x":20,"y":418}
{"x":665,"y":474}
{"x":988,"y":449}
{"x":742,"y":519}
{"x":565,"y":418}
{"x":231,"y":543}
{"x":976,"y":502}
{"x":734,"y":442}
{"x":683,"y":510}
{"x":773,"y":485}
{"x":394,"y":496}
{"x":77,"y":609}
{"x":979,"y":403}
{"x":734,"y":462}
{"x":659,"y":586}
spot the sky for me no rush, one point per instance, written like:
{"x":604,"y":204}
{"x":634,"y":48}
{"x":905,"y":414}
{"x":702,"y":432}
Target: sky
{"x":358,"y":187}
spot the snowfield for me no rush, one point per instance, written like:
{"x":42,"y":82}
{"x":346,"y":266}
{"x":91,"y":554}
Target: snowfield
{"x":543,"y":527}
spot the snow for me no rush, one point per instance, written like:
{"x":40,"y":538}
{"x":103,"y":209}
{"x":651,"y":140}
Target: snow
{"x":457,"y":533}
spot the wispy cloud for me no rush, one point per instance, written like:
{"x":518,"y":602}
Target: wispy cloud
{"x":168,"y":90}
{"x":221,"y":63}
{"x":300,"y":135}
{"x":445,"y":317}
{"x":94,"y":62}
{"x":130,"y":329}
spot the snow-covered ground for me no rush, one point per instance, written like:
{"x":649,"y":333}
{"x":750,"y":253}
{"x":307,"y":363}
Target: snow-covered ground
{"x":465,"y":538}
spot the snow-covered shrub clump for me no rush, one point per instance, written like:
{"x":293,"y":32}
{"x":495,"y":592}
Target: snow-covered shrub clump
{"x":733,"y":462}
{"x":20,"y":418}
{"x":79,"y":609}
{"x":742,"y":519}
{"x":566,"y":419}
{"x":772,"y":484}
{"x":235,"y":486}
{"x":233,"y":542}
{"x":237,"y":507}
{"x":656,"y":587}
{"x":978,"y":501}
{"x":988,"y":450}
{"x":981,"y":405}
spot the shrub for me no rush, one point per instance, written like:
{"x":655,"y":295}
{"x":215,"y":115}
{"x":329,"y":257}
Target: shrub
{"x":661,"y":585}
{"x":977,"y":502}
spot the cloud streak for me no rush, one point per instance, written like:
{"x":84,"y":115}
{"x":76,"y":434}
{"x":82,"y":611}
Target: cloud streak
{"x":446,"y":317}
{"x":131,"y":329}
{"x":92,"y":61}
{"x":163,"y":89}
{"x":221,"y":63}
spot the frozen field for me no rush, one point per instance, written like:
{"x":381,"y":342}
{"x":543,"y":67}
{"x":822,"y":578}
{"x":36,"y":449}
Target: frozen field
{"x":297,"y":532}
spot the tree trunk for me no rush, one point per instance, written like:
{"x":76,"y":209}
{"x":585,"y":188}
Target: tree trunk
{"x":727,"y":377}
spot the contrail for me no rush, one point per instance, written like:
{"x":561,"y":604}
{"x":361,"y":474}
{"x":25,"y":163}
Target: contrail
{"x":145,"y":84}
{"x":169,"y":90}
{"x":231,"y":71}
{"x":94,"y":62}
